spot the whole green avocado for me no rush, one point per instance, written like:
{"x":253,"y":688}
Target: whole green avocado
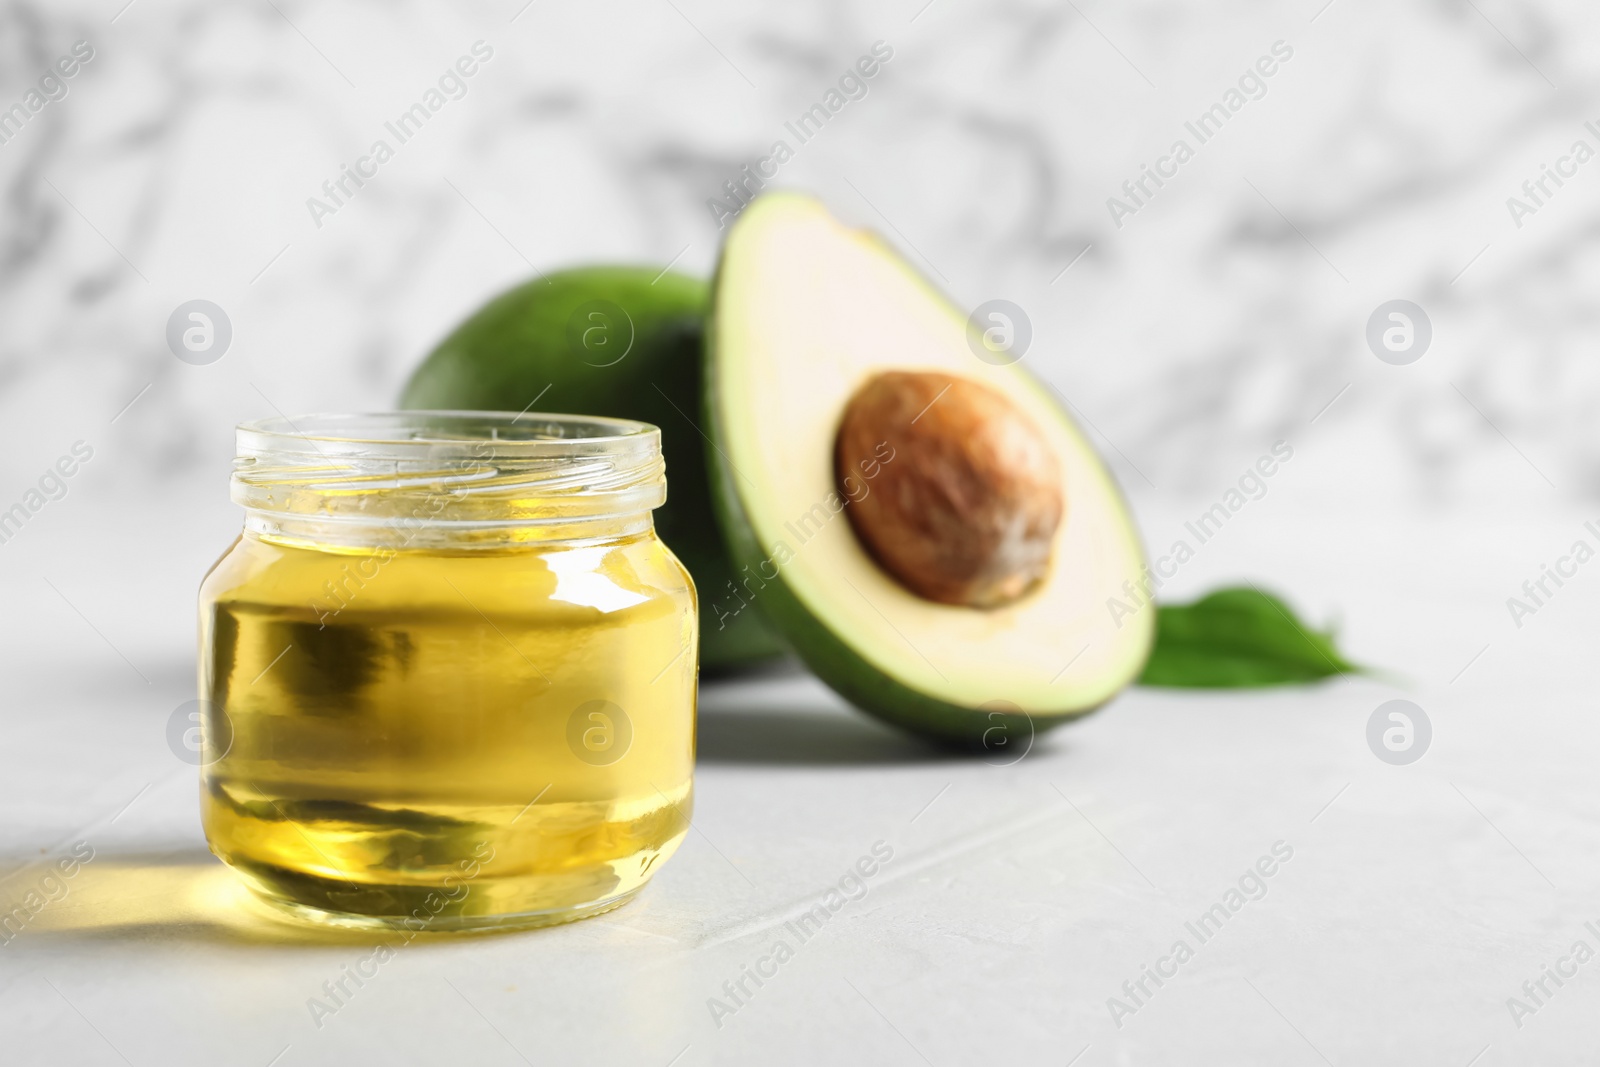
{"x":617,"y":341}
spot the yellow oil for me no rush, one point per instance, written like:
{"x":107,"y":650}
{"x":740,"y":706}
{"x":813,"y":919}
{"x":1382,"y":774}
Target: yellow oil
{"x":446,"y":740}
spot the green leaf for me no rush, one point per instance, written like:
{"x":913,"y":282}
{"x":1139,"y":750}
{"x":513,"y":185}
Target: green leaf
{"x":1239,"y":638}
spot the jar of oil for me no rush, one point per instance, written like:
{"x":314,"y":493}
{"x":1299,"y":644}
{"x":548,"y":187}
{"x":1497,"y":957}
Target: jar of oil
{"x":448,"y":670}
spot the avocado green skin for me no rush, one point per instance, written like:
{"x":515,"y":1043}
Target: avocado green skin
{"x":501,"y":357}
{"x":836,"y":663}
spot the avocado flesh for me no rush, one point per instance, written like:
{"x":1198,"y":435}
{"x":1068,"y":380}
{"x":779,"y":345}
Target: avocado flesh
{"x":804,"y":310}
{"x":520,"y":345}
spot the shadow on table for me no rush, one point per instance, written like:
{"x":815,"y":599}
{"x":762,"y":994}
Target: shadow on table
{"x":806,"y":738}
{"x":182,"y":896}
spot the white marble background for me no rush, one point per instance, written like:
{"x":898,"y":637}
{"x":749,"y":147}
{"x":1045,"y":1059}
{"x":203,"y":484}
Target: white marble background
{"x":1215,"y":320}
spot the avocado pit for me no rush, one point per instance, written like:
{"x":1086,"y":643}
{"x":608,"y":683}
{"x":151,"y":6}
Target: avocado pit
{"x":966,"y":508}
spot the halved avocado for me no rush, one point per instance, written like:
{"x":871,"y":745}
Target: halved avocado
{"x":620,"y":341}
{"x":812,"y":321}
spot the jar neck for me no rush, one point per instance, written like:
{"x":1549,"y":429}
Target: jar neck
{"x":431,"y":535}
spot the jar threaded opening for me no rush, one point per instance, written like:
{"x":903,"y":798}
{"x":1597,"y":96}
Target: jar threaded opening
{"x":430,"y":477}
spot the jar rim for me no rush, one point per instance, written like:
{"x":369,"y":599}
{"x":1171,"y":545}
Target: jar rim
{"x":446,"y":477}
{"x":385,"y":433}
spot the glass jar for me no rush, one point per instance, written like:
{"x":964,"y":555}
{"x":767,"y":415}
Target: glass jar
{"x":447,"y":670}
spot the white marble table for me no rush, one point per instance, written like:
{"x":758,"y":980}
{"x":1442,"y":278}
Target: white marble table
{"x":1017,"y":901}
